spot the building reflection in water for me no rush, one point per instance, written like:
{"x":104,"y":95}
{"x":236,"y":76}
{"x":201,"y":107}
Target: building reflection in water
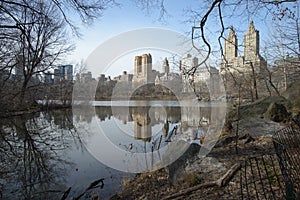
{"x":142,"y":123}
{"x":191,"y":122}
{"x":139,"y":134}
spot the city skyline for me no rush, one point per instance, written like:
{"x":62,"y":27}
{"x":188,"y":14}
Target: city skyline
{"x":159,"y":67}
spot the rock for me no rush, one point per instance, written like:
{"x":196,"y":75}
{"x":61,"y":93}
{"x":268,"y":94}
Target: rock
{"x":257,"y":127}
{"x":276,"y":112}
{"x":210,"y":163}
{"x":207,"y":165}
{"x":175,"y":158}
{"x":174,"y":151}
{"x":293,"y":95}
{"x":246,"y":139}
{"x":258,"y":108}
{"x":176,"y":169}
{"x":225,"y":141}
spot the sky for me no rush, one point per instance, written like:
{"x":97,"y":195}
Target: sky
{"x":118,"y":20}
{"x":128,"y":17}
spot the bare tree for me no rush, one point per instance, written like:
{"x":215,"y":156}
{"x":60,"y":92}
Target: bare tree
{"x":33,"y":37}
{"x":242,"y":9}
{"x":41,"y":43}
{"x":31,"y":154}
{"x":237,"y":8}
{"x":283,"y":49}
{"x":86,"y":10}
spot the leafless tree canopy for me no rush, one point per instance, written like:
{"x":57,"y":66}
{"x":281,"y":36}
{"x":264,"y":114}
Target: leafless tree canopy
{"x":223,"y":10}
{"x":86,"y":10}
{"x":34,"y":36}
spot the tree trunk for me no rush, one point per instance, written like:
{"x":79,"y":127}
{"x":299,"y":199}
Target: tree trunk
{"x":254,"y":81}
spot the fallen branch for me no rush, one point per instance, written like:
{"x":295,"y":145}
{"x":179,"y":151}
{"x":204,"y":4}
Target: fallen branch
{"x":66,"y":194}
{"x":224,"y":180}
{"x":221,"y":182}
{"x":93,"y":185}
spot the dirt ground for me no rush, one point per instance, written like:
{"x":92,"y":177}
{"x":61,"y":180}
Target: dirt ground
{"x":156,"y":185}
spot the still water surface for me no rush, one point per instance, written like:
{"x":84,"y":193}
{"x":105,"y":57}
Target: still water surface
{"x":44,"y":154}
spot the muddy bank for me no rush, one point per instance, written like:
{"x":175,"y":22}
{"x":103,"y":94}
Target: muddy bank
{"x":198,"y":177}
{"x":217,"y":175}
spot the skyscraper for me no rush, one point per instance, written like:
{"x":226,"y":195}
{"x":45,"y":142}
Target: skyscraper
{"x":143,"y":69}
{"x":63,"y":72}
{"x":48,"y":77}
{"x":251,"y":66}
{"x":166,"y":67}
{"x":68,"y":72}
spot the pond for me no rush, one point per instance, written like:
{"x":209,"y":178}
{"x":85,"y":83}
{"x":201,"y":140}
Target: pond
{"x":46,"y":153}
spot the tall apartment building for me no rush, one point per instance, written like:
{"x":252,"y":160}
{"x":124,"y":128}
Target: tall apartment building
{"x":143,"y":73}
{"x":63,"y":72}
{"x":250,"y":67}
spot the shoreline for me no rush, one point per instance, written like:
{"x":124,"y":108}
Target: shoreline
{"x":31,"y":110}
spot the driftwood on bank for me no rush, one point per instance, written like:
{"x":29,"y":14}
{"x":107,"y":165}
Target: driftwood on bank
{"x":221,"y":182}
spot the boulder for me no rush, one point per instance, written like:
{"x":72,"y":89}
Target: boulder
{"x":257,"y":127}
{"x":276,"y":112}
{"x":258,"y":108}
{"x":176,"y":168}
{"x":175,"y":158}
{"x":225,"y":141}
{"x":293,"y":95}
{"x":209,"y":167}
{"x":246,"y":139}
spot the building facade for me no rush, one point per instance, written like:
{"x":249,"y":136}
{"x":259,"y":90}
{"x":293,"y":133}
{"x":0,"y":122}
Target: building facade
{"x":249,"y":70}
{"x":166,"y":67}
{"x":63,"y":72}
{"x":143,"y":73}
{"x":48,"y":77}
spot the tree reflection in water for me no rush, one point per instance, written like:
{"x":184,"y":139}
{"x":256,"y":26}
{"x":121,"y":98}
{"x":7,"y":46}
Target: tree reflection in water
{"x":31,"y":155}
{"x":39,"y":153}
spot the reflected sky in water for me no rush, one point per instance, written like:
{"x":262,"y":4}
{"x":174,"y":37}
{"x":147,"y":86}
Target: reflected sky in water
{"x":44,"y":154}
{"x":130,"y":137}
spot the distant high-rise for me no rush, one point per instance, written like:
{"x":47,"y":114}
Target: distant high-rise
{"x":188,"y":62}
{"x":86,"y":77}
{"x":251,"y":40}
{"x":48,"y":77}
{"x":231,"y":45}
{"x":166,"y":67}
{"x":63,"y":72}
{"x":234,"y":63}
{"x":66,"y":72}
{"x":69,"y":72}
{"x":143,"y":69}
{"x":252,"y":66}
{"x":57,"y":76}
{"x":19,"y":74}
